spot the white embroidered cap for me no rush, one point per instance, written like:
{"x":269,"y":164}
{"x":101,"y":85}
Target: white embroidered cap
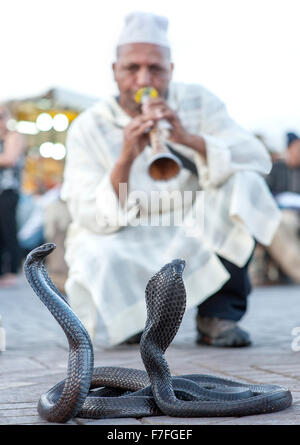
{"x":144,"y":27}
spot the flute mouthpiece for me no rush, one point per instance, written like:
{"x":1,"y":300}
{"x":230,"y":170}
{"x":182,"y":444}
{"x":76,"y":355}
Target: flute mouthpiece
{"x":144,"y":94}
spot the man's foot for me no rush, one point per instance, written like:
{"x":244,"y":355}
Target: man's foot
{"x":219,"y":332}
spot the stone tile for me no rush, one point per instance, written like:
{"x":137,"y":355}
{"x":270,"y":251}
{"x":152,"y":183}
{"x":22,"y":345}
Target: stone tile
{"x":37,"y":355}
{"x":24,"y":394}
{"x":17,"y":412}
{"x":17,"y":384}
{"x":289,"y":416}
{"x":16,"y":405}
{"x":11,"y":365}
{"x":296,"y":396}
{"x":29,"y":420}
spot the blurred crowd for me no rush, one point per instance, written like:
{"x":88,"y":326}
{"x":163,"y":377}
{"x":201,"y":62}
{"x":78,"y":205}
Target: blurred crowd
{"x":280,"y":262}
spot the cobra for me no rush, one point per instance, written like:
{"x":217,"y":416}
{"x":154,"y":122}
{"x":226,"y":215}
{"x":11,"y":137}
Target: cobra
{"x":108,"y":392}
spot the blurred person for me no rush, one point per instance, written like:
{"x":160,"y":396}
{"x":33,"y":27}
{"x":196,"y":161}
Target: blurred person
{"x":285,"y":173}
{"x":284,"y":183}
{"x":108,"y":146}
{"x":12,"y":147}
{"x":274,"y":153}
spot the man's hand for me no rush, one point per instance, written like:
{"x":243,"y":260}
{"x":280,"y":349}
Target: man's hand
{"x":178,"y":134}
{"x":136,"y":136}
{"x":161,"y":110}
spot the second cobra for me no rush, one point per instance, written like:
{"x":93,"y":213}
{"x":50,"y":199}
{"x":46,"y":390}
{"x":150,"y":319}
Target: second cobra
{"x":105,"y":392}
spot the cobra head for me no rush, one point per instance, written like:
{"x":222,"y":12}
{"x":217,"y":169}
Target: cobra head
{"x":39,"y":253}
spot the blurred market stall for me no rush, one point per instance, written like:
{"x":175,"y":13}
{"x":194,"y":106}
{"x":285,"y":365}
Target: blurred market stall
{"x":44,"y":120}
{"x":41,"y":216}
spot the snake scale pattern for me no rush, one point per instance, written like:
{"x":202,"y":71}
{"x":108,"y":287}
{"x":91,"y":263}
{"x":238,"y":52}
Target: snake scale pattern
{"x":108,"y":392}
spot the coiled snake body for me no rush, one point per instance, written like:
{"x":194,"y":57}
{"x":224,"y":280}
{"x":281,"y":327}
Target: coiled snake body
{"x":124,"y":392}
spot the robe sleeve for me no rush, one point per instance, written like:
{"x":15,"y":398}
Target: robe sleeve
{"x":87,"y":189}
{"x":229,"y":147}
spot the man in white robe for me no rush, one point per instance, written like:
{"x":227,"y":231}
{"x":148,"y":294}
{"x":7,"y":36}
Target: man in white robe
{"x":112,"y":249}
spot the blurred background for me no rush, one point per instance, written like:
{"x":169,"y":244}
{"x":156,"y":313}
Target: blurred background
{"x":56,"y":62}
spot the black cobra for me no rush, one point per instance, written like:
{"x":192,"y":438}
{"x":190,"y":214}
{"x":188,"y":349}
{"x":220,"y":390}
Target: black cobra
{"x":107,"y":392}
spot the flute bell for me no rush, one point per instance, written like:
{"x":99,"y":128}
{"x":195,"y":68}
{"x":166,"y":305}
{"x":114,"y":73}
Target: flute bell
{"x":163,"y":165}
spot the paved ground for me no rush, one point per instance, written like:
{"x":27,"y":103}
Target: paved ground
{"x":36,"y":357}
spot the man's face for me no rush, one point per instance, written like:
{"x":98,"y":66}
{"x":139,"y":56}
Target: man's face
{"x":293,"y":154}
{"x":141,"y":65}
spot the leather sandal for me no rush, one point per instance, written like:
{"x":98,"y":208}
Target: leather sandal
{"x":219,"y":332}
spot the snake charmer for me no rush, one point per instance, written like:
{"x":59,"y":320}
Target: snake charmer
{"x":107,"y":182}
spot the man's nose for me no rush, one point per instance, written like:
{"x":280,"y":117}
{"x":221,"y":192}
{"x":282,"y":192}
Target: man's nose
{"x":143,"y":78}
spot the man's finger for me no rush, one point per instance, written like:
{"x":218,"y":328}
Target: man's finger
{"x":144,"y":128}
{"x":169,"y":115}
{"x":153,"y":103}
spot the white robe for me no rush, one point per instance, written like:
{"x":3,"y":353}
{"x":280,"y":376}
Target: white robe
{"x":110,"y":264}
